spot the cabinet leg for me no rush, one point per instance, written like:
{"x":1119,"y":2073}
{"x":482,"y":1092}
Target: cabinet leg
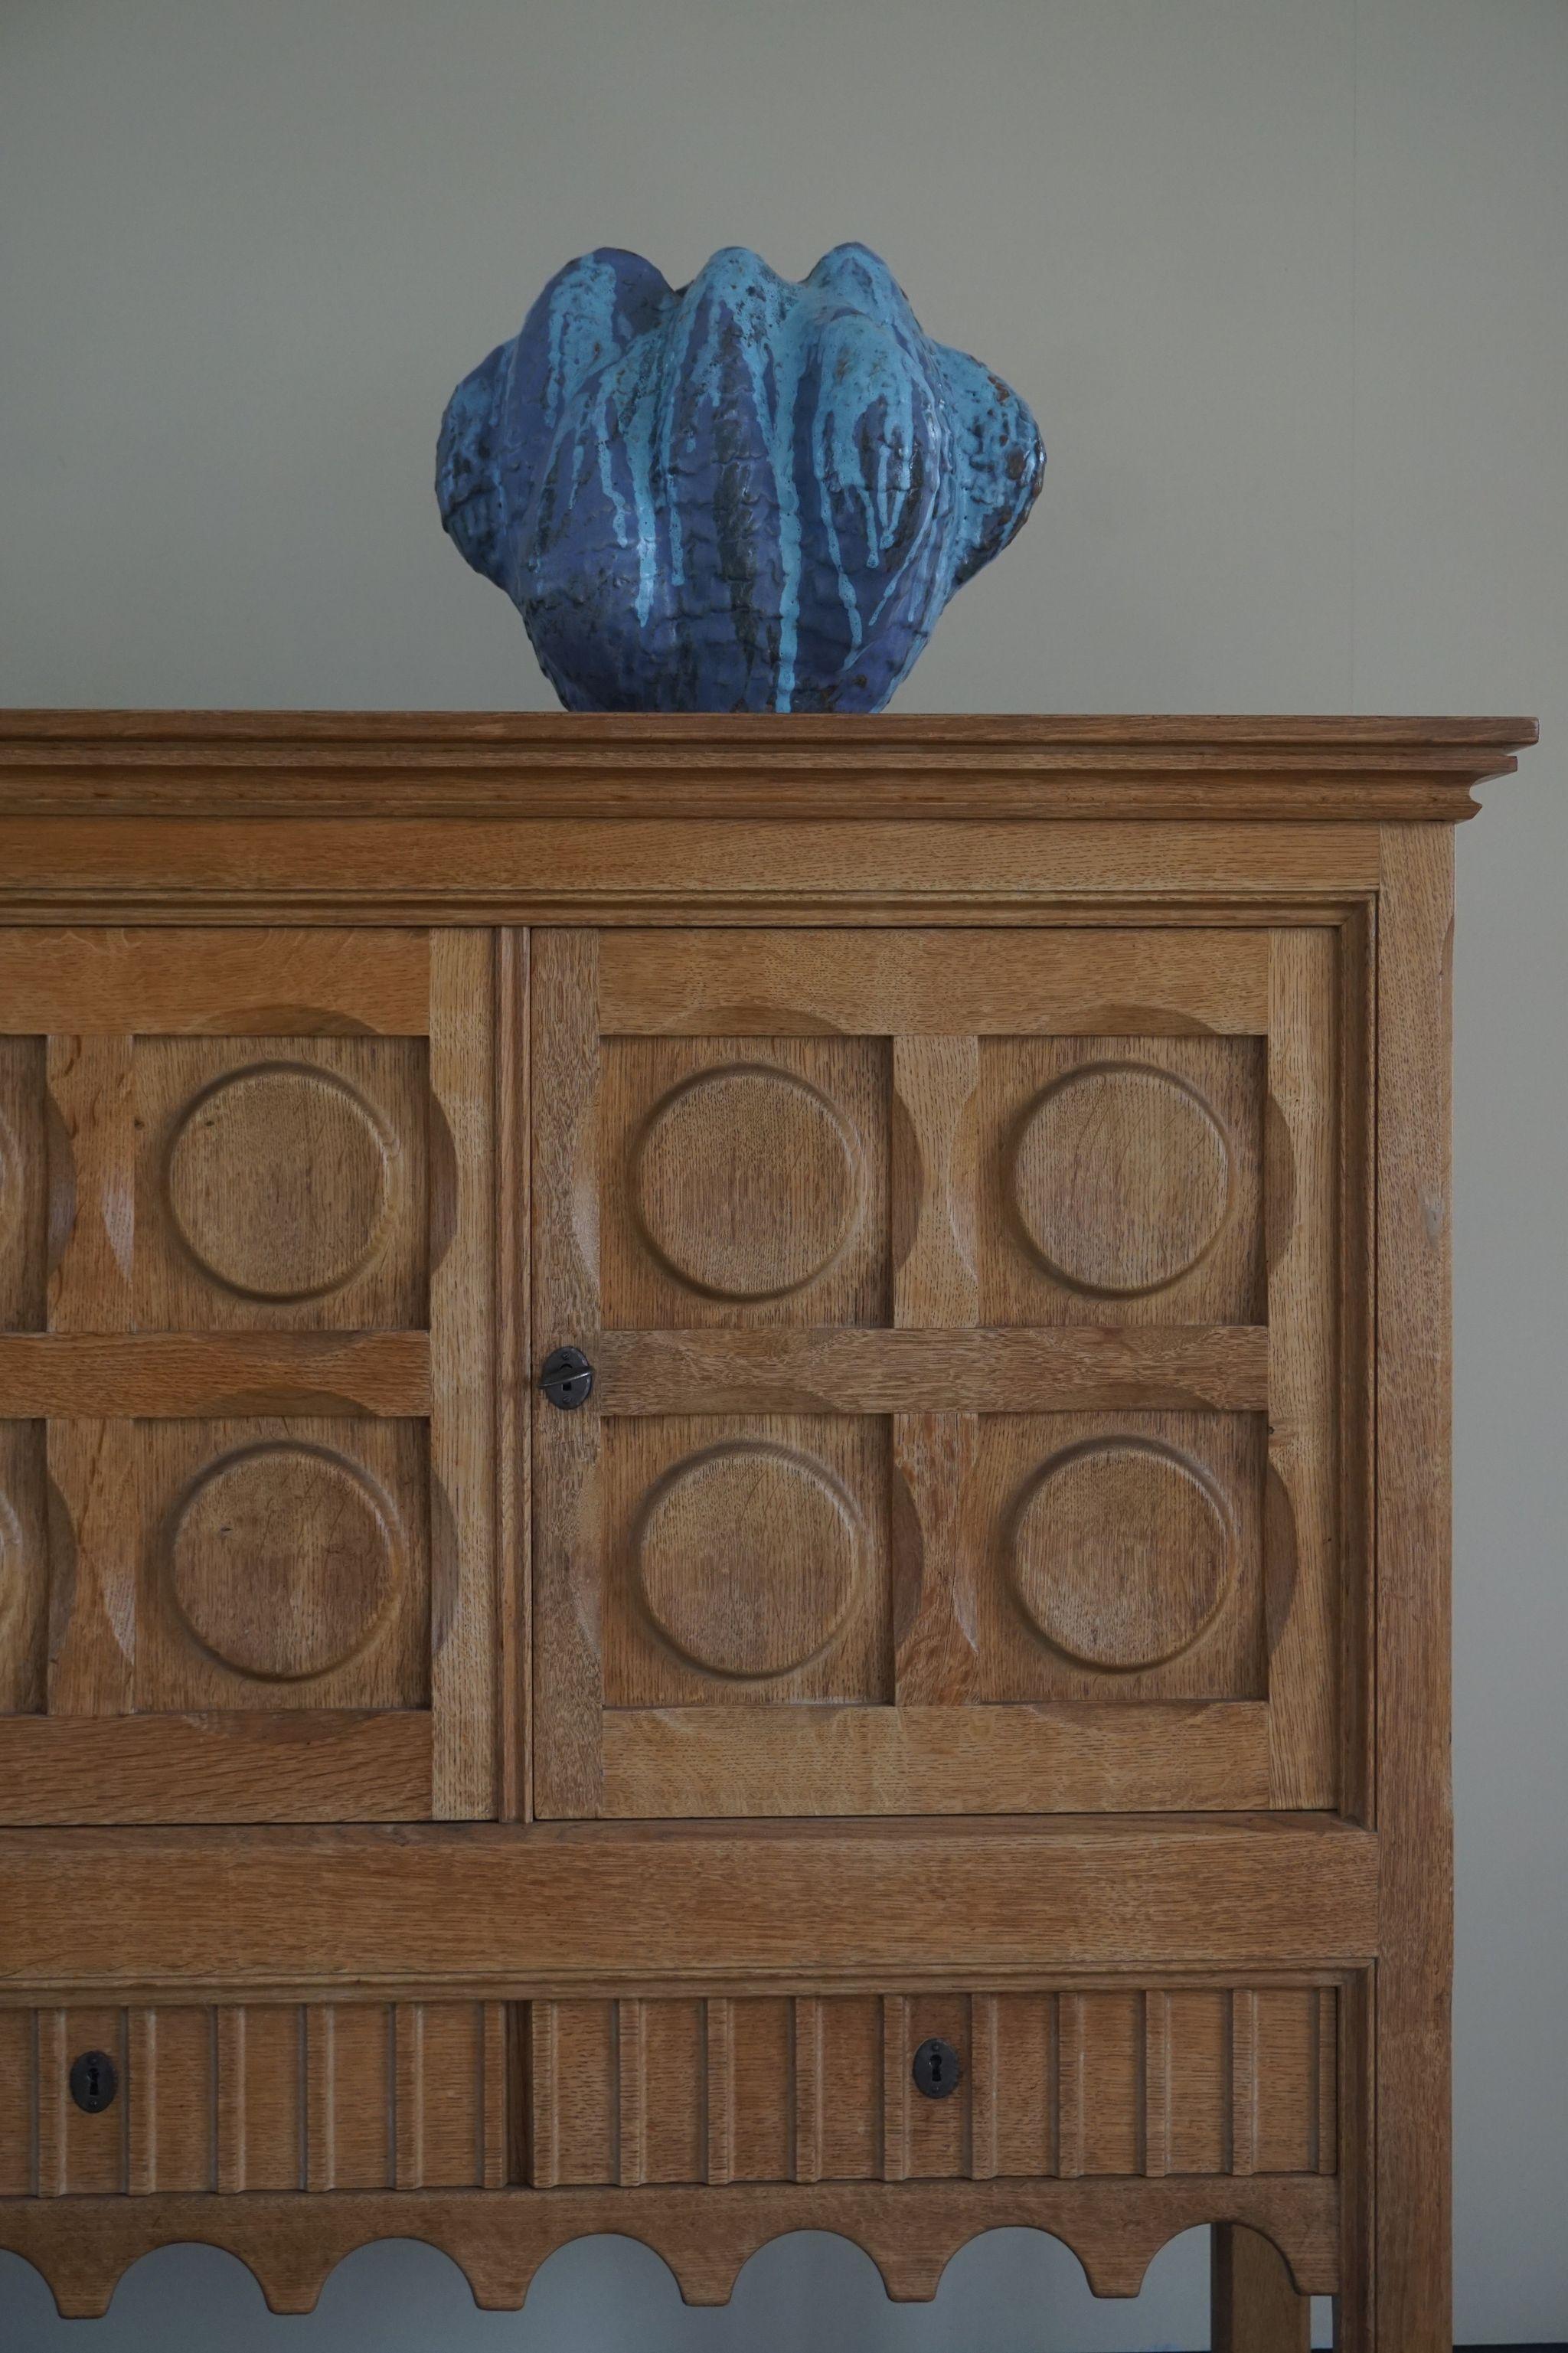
{"x":1254,"y":2302}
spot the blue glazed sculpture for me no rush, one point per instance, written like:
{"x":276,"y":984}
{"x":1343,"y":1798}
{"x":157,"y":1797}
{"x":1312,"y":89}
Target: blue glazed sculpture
{"x":745,"y":495}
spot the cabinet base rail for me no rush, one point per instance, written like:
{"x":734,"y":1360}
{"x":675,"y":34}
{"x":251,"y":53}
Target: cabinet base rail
{"x":291,"y":2241}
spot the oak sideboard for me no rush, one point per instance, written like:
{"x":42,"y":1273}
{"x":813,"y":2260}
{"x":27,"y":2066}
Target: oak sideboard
{"x":724,"y":1494}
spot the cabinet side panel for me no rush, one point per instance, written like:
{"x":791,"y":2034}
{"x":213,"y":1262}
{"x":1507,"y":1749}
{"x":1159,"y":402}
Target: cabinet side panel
{"x":1301,"y":1546}
{"x":1414,"y":2227}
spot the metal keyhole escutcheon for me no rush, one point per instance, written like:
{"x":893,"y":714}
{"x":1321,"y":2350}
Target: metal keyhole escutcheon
{"x":567,"y":1379}
{"x":94,"y":2080}
{"x":937,"y":2069}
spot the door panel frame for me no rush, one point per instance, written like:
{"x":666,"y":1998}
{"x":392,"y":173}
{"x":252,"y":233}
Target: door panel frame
{"x":1288,"y":983}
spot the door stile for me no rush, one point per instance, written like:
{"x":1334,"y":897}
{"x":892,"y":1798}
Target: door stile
{"x":514,"y":1420}
{"x":1358,"y":1360}
{"x":568,"y":1681}
{"x":935,"y":1456}
{"x":91,"y":1116}
{"x":463,"y":1662}
{"x":935,"y":1081}
{"x":1300,"y":1531}
{"x":935,"y":1282}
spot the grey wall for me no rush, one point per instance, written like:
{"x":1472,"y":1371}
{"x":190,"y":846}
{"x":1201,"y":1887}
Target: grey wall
{"x":1287,"y":281}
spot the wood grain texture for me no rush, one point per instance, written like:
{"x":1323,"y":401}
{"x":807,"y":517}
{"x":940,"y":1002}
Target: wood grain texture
{"x":109,"y":763}
{"x":1063,"y":1758}
{"x":1123,"y":1559}
{"x":25,"y":1182}
{"x":1257,"y":2306}
{"x":567,"y":1567}
{"x":746,"y":1563}
{"x":93,"y":1566}
{"x":75,"y":2151}
{"x":25,"y":1569}
{"x":281,"y":1183}
{"x":464,"y":1676}
{"x":255,"y":983}
{"x":324,"y":1765}
{"x":514,"y":1360}
{"x":933,"y":1539}
{"x":910,"y":2230}
{"x":1303,"y":1551}
{"x":1358,"y":2159}
{"x":93,"y":1189}
{"x":170,"y":2133}
{"x":1414,"y":2260}
{"x":911,"y":985}
{"x":283,"y":1563}
{"x":639,"y":869}
{"x":1357,"y":1298}
{"x":931,"y":1205}
{"x":742,"y":1182}
{"x":173,"y":1376}
{"x":1121,"y":1181}
{"x":1069,"y":1367}
{"x":1017,"y":1368}
{"x":578,"y":1906}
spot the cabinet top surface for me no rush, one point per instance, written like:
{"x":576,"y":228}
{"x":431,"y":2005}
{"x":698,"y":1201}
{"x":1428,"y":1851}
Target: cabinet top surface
{"x":500,"y":763}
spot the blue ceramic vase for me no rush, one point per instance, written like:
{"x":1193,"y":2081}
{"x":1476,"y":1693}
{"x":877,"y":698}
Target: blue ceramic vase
{"x":742,"y":495}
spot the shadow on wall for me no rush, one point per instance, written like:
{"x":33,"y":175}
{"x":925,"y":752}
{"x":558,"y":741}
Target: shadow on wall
{"x":1009,"y":2291}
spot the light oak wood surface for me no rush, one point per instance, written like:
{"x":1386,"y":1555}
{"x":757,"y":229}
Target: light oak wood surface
{"x":248,"y":1375}
{"x":812,"y":1902}
{"x":996,"y":1590}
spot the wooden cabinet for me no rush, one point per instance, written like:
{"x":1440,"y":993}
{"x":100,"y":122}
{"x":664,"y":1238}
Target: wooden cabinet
{"x":951,"y":1729}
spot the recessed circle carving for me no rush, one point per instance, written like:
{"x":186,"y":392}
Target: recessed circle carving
{"x":279,"y":1181}
{"x":1122,"y":1553}
{"x":1120,"y":1178}
{"x":283,"y":1560}
{"x":744,"y":1182}
{"x":747,"y":1560}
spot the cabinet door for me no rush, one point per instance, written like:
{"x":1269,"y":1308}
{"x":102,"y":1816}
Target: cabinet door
{"x":962,"y":1311}
{"x":245,"y":1239}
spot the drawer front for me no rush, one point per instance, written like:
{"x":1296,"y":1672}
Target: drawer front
{"x":1213,"y":2080}
{"x":246,"y":1235}
{"x":962,"y":1311}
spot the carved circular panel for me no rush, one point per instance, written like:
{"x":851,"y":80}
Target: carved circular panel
{"x":744,"y":1182}
{"x":282,"y":1559}
{"x":1120,"y":1178}
{"x":279,"y":1181}
{"x":747,"y":1558}
{"x":1122,"y":1553}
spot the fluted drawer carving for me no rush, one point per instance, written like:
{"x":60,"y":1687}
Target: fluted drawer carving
{"x":258,"y":2095}
{"x":1080,"y":2082}
{"x":1204,"y":2080}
